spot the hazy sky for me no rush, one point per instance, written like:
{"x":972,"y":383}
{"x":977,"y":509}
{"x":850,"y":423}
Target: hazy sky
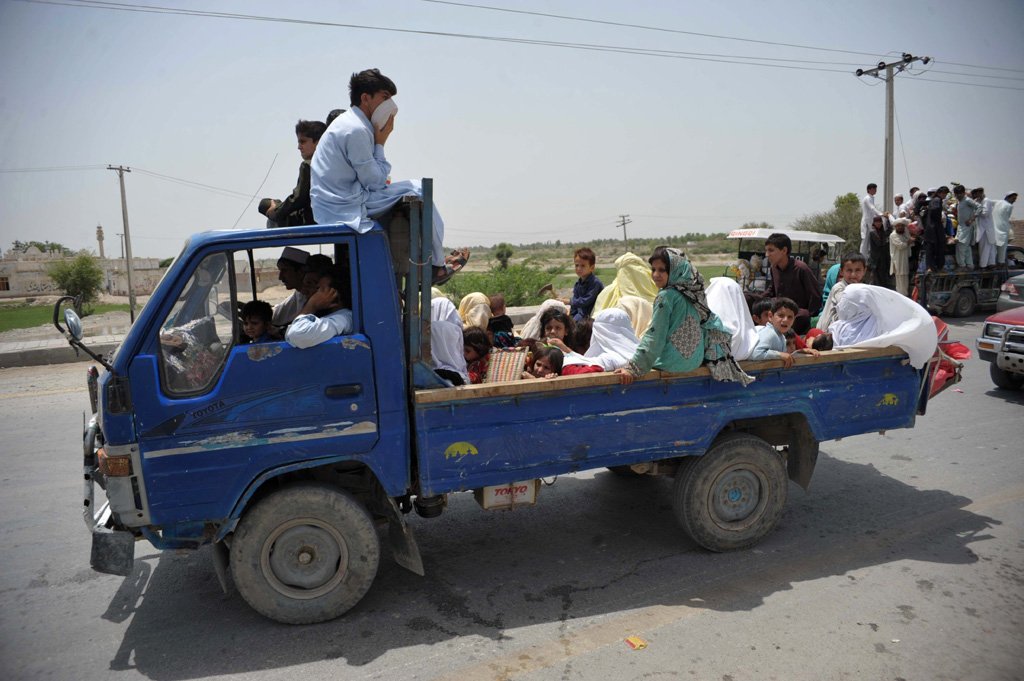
{"x":525,"y":142}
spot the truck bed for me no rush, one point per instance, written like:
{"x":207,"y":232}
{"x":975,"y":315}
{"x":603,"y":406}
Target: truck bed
{"x":492,"y":434}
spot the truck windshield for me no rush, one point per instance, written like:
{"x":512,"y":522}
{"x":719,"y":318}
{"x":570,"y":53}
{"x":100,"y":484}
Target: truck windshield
{"x":199,"y":330}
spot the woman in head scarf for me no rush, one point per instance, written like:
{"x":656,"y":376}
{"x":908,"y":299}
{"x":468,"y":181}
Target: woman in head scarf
{"x":612,"y":341}
{"x":684,"y":333}
{"x":632,"y":278}
{"x":475,"y":310}
{"x":725,"y":298}
{"x":442,"y":309}
{"x":639,"y":311}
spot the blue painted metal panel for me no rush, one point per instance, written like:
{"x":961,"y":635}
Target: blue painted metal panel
{"x":474,"y":443}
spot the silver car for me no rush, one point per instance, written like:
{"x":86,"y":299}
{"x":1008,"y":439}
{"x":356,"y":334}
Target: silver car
{"x":1011,"y":294}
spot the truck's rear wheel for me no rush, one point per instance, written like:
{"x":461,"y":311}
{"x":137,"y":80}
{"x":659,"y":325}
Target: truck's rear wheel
{"x":964,"y":303}
{"x":1004,"y":379}
{"x":305,"y":554}
{"x":733,"y":495}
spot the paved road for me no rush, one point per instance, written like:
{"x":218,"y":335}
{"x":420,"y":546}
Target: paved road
{"x":905,"y":561}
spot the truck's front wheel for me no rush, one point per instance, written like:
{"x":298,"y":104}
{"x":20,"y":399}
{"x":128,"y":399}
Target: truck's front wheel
{"x":305,"y":554}
{"x":733,"y":495}
{"x":1004,"y":379}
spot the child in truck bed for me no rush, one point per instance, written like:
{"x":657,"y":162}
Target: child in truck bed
{"x":684,"y":333}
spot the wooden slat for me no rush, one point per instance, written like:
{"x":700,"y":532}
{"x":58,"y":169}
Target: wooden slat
{"x":564,"y":383}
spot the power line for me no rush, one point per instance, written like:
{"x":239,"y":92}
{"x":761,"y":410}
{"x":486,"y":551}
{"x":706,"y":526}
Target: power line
{"x":52,"y":169}
{"x":648,"y":52}
{"x":973,"y":75}
{"x":646,"y":28}
{"x":190,"y":183}
{"x":957,"y":82}
{"x":594,"y":47}
{"x":682,"y":32}
{"x":975,"y":66}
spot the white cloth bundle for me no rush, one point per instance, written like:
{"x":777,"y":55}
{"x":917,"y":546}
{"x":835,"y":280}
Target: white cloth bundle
{"x":442,"y":309}
{"x":725,"y":298}
{"x":612,"y":342}
{"x":876,"y":317}
{"x":446,"y":347}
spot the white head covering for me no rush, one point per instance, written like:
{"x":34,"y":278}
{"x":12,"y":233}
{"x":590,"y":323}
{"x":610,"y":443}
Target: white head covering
{"x":613,"y":342}
{"x":443,"y":309}
{"x":725,"y":298}
{"x":446,"y":347}
{"x":640,"y":312}
{"x":532,"y":328}
{"x":876,"y":317}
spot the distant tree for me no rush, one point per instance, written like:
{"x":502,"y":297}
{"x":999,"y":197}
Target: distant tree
{"x":502,"y":253}
{"x":843,"y":220}
{"x":166,"y":262}
{"x":44,"y":246}
{"x":81,"y":278}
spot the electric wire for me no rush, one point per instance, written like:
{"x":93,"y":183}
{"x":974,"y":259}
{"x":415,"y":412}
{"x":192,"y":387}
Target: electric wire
{"x":255,"y":193}
{"x":649,"y":52}
{"x":52,"y":169}
{"x":903,"y":149}
{"x":644,"y":27}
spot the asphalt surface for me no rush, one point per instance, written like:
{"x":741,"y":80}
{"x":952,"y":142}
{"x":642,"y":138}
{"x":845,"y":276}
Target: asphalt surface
{"x":905,"y":560}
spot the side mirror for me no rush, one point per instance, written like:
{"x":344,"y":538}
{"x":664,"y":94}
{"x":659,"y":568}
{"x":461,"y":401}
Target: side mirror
{"x":73,"y":323}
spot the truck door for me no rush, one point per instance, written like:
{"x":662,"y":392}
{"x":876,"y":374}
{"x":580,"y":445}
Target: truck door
{"x":214,"y":411}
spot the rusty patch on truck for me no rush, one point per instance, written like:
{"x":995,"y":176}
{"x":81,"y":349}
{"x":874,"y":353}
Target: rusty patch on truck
{"x":353,"y":343}
{"x":261,"y":351}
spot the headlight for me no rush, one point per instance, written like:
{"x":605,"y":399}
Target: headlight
{"x":994,"y":330}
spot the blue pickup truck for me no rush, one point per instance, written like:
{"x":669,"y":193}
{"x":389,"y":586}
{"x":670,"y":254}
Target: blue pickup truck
{"x":297,"y":464}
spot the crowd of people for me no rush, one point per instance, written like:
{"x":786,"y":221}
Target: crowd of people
{"x":655,"y":315}
{"x":917,"y":234}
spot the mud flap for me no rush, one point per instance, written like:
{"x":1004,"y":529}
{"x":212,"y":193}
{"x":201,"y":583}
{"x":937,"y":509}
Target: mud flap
{"x":113,"y":552}
{"x":221,"y":565}
{"x":400,"y":539}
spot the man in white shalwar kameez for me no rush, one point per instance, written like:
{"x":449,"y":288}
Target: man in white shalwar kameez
{"x":899,"y":253}
{"x":986,"y":227}
{"x":1001,"y":217}
{"x":349,"y":172}
{"x":868,"y":211}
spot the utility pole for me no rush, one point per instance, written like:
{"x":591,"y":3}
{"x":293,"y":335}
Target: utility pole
{"x":890,"y":72}
{"x":623,"y":221}
{"x":121,"y":170}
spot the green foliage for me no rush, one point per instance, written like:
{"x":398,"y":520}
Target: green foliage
{"x":80,"y":277}
{"x":502,"y":253}
{"x":843,"y":220}
{"x":519,"y":283}
{"x":44,"y":246}
{"x":30,"y":316}
{"x":166,"y":262}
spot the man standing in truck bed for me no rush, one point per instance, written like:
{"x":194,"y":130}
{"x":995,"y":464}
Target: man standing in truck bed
{"x":350,"y":173}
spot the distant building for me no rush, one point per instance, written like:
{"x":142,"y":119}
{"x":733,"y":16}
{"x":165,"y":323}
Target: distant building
{"x":24,"y":273}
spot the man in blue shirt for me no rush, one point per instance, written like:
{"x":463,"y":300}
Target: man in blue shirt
{"x":584,"y":292}
{"x":349,"y":172}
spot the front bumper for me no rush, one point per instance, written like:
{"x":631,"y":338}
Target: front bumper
{"x":113,"y":550}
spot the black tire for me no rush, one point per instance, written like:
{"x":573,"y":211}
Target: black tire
{"x":305,"y":554}
{"x":1004,"y":379}
{"x":733,"y":495}
{"x":964,"y":303}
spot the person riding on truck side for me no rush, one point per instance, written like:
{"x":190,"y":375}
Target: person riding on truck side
{"x":684,"y":333}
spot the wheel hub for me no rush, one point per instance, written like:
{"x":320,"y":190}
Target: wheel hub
{"x":304,"y":558}
{"x":737,"y":495}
